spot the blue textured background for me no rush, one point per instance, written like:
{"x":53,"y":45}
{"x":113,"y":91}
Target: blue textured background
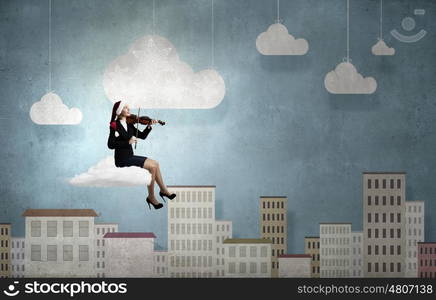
{"x":277,"y":131}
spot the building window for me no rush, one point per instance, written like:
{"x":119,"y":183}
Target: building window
{"x":232,"y":268}
{"x":264,"y":267}
{"x":242,"y":268}
{"x":253,"y":267}
{"x":392,"y":183}
{"x":392,"y":218}
{"x":399,"y":250}
{"x":68,"y":252}
{"x":398,"y":267}
{"x":392,"y":200}
{"x":253,"y":251}
{"x":369,"y":218}
{"x":232,"y":251}
{"x":35,"y":252}
{"x":369,"y":200}
{"x":83,"y":252}
{"x":369,"y":183}
{"x":398,"y":186}
{"x":376,"y":218}
{"x":369,"y":249}
{"x":52,"y":228}
{"x":35,"y":228}
{"x":398,"y":200}
{"x":68,"y":228}
{"x":242,"y":251}
{"x":376,"y":200}
{"x":384,"y":217}
{"x":369,"y":267}
{"x":399,"y":233}
{"x":83,"y":228}
{"x":384,"y":183}
{"x":263,"y":251}
{"x":384,"y":200}
{"x":52,"y":252}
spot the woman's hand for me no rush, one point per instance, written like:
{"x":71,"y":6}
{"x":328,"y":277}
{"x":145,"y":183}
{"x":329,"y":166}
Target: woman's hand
{"x":133,"y":140}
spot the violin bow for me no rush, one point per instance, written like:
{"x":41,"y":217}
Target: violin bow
{"x":137,"y":125}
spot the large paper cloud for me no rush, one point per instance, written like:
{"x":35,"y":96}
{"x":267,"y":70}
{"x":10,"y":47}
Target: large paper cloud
{"x":277,"y":41}
{"x":151,"y":75}
{"x":380,"y":48}
{"x":346,"y":80}
{"x":50,"y":110}
{"x":106,"y":174}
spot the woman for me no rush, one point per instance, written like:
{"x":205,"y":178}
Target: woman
{"x":121,"y":138}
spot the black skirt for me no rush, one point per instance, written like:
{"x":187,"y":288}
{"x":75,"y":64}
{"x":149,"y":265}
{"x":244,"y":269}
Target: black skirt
{"x":134,"y":160}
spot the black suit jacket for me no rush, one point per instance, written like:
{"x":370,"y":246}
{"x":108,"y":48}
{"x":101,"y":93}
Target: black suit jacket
{"x":123,"y":149}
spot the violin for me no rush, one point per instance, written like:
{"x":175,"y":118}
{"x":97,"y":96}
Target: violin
{"x":133,"y":119}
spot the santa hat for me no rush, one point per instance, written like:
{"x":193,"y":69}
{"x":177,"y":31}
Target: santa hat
{"x":116,"y":110}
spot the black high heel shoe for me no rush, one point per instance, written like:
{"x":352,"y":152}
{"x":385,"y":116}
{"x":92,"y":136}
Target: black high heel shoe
{"x":156,"y":206}
{"x":171,"y":197}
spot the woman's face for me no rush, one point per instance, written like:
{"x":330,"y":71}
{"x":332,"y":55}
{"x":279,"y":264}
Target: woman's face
{"x":126,"y":111}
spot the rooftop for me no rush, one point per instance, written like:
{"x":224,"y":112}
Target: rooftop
{"x":247,"y":241}
{"x":144,"y":235}
{"x":401,"y":172}
{"x":60,"y":213}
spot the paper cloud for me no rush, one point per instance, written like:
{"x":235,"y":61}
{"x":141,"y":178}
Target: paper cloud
{"x":151,"y":75}
{"x":106,"y":174}
{"x":277,"y":41}
{"x":51,"y":111}
{"x":382,"y":49}
{"x":346,"y":80}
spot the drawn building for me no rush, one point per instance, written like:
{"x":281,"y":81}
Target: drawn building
{"x":17,"y":257}
{"x":100,"y":247}
{"x":311,"y":247}
{"x":223,"y":232}
{"x":427,"y":260}
{"x":160,"y":263}
{"x":383,"y":224}
{"x":335,"y":250}
{"x":356,"y":254}
{"x":59,"y":242}
{"x":191,"y":232}
{"x":247,"y":257}
{"x":5,"y":244}
{"x":129,"y":254}
{"x":414,"y":220}
{"x":295,"y":265}
{"x":274,"y":226}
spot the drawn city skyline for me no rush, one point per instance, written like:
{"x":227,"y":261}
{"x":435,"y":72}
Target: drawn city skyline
{"x":391,"y":243}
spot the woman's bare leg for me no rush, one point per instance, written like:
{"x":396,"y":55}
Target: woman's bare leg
{"x":150,"y":165}
{"x":160,"y":182}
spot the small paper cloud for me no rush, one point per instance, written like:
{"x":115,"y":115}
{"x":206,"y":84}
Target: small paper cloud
{"x":106,"y":174}
{"x":50,"y":110}
{"x":346,"y":80}
{"x":380,"y":48}
{"x":277,"y":41}
{"x":151,"y":75}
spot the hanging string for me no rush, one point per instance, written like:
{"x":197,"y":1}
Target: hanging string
{"x":154,"y":16}
{"x":213,"y":37}
{"x":381,"y":19}
{"x":348,"y":31}
{"x":49,"y":45}
{"x":278,"y":11}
